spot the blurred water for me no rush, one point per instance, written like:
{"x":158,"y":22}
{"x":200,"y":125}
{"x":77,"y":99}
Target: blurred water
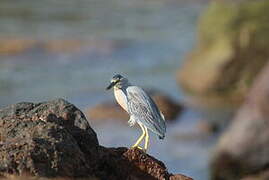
{"x":145,"y":40}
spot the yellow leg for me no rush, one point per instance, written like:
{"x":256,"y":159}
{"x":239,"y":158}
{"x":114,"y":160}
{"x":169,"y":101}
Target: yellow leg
{"x":140,"y":138}
{"x":146,"y":139}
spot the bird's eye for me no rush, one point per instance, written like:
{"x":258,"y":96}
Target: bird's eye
{"x":115,"y":80}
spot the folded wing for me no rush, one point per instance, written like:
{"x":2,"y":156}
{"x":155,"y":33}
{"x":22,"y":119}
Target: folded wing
{"x":144,"y":110}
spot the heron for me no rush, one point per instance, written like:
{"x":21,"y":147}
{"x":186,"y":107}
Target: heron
{"x":140,"y":107}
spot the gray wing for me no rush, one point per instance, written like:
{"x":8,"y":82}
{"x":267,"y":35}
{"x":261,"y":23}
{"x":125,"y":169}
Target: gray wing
{"x":143,"y":109}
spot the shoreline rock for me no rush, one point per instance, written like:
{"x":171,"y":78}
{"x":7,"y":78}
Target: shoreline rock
{"x":222,"y":67}
{"x":54,"y":140}
{"x":243,"y":150}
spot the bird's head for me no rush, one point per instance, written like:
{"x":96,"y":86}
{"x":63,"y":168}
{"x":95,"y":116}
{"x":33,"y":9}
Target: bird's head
{"x":117,"y":81}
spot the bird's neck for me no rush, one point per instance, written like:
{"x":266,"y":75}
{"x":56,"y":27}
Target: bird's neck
{"x":121,"y":97}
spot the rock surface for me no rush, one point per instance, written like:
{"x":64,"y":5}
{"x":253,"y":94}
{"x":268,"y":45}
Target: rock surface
{"x":260,"y":176}
{"x":169,"y":108}
{"x":243,"y":150}
{"x":133,"y":164}
{"x":227,"y":57}
{"x":54,"y":139}
{"x":46,"y":139}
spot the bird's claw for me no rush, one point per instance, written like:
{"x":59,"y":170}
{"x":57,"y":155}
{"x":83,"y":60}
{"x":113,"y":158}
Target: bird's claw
{"x":139,"y":148}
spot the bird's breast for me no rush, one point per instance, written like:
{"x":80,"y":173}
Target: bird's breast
{"x":121,"y":98}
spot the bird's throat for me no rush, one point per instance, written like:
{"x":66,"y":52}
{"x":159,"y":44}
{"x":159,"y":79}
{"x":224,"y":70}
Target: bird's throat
{"x":121,"y":98}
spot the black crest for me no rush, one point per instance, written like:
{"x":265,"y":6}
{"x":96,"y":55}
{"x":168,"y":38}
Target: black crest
{"x":117,"y":76}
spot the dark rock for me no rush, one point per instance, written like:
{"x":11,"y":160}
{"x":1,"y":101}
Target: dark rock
{"x":169,"y":108}
{"x":133,"y":164}
{"x":243,"y":150}
{"x":54,"y":139}
{"x":264,"y":175}
{"x":179,"y":177}
{"x":46,"y":139}
{"x":221,"y":68}
{"x":29,"y":177}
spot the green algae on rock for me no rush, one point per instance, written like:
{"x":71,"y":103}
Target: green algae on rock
{"x":232,"y":47}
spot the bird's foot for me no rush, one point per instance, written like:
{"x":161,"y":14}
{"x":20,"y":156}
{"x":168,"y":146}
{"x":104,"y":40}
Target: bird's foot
{"x":139,"y":148}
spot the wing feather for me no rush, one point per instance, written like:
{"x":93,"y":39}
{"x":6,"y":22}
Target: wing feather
{"x":144,"y":109}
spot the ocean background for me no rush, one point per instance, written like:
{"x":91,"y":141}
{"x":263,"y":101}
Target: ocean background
{"x":144,"y":40}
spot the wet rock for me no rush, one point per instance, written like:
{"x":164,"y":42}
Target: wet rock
{"x":54,"y":139}
{"x":169,"y":108}
{"x":221,"y":69}
{"x":243,"y":150}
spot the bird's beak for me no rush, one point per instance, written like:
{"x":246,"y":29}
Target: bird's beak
{"x":110,"y":85}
